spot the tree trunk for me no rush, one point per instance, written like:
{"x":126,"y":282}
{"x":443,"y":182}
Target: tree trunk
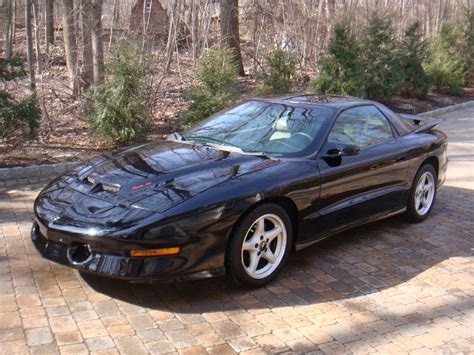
{"x":439,"y":15}
{"x":112,"y":25}
{"x":87,"y":56}
{"x":172,"y":31}
{"x":230,"y":38}
{"x":70,"y":45}
{"x":13,"y":31}
{"x":49,"y":22}
{"x":194,"y":29}
{"x":144,"y":27}
{"x":97,"y":42}
{"x":7,"y":27}
{"x":29,"y":42}
{"x":331,"y":11}
{"x":37,"y":36}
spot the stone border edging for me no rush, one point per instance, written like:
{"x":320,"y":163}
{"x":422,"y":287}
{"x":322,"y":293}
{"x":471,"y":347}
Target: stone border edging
{"x":441,"y":111}
{"x":35,"y":173}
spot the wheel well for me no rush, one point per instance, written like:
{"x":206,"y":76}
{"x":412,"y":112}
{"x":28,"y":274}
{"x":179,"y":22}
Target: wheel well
{"x":432,"y":161}
{"x":286,"y":203}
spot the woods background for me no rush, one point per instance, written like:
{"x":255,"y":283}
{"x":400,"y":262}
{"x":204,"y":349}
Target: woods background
{"x":66,"y":50}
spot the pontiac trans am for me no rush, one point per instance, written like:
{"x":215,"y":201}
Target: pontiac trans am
{"x":241,"y":190}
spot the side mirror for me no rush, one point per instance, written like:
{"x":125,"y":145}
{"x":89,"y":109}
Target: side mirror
{"x":336,"y":150}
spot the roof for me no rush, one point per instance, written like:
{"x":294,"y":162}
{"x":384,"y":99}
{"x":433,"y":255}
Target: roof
{"x":333,"y":101}
{"x":337,"y":103}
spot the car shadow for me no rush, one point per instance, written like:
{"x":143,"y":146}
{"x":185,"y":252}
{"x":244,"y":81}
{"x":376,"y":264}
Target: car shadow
{"x":355,"y":263}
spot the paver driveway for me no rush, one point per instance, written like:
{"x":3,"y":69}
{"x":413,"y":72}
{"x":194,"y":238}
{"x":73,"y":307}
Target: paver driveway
{"x":390,"y":287}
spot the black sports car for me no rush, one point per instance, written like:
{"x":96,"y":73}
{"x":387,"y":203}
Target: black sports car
{"x":240,"y":190}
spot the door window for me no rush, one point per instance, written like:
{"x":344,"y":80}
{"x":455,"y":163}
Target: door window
{"x":362,"y":126}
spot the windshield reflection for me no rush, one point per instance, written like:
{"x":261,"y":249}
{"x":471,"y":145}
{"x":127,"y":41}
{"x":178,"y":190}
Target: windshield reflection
{"x":259,"y":126}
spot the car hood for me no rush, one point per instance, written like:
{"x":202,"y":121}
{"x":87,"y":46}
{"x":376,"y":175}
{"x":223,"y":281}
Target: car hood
{"x":127,"y":188}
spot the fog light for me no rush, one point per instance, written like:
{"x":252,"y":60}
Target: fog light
{"x":155,"y":252}
{"x":79,"y":253}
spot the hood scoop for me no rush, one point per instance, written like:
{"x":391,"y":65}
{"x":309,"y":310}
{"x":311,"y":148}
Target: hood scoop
{"x":90,"y":180}
{"x":102,"y":186}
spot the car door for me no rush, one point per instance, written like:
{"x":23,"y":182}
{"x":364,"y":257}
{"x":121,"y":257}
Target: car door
{"x":368,"y":184}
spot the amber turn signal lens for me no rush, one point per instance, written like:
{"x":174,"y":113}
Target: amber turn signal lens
{"x":155,"y":252}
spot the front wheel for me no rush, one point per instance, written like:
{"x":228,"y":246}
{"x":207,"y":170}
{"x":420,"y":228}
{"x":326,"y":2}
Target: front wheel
{"x":260,"y":246}
{"x":423,"y":194}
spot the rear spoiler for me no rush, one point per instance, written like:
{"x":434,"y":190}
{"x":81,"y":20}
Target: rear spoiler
{"x":420,"y":124}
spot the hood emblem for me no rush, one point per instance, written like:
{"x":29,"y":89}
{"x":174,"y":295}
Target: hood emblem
{"x":138,"y":187}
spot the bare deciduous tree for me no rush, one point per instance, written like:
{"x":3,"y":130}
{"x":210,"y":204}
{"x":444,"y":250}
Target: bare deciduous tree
{"x":29,"y":42}
{"x":230,"y":37}
{"x":194,"y":29}
{"x":7,"y":28}
{"x":114,"y":20}
{"x":300,"y":26}
{"x":37,"y":36}
{"x":87,"y":56}
{"x":49,"y":22}
{"x":97,"y":41}
{"x":70,"y":44}
{"x":13,"y":31}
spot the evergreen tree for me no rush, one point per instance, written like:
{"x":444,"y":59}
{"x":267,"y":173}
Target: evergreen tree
{"x":382,"y":75}
{"x":19,"y":119}
{"x":413,"y":52}
{"x":341,"y":70}
{"x":215,"y":88}
{"x":281,"y":69}
{"x":120,"y":107}
{"x":445,"y":63}
{"x":468,"y":43}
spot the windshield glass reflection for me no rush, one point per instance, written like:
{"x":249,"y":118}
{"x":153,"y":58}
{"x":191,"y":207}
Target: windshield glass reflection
{"x":258,"y":126}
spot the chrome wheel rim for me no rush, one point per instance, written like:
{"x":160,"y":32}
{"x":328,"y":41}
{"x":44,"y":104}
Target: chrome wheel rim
{"x":424,"y":193}
{"x":264,"y":246}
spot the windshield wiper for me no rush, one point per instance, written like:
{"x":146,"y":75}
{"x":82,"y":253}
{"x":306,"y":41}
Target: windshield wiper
{"x":219,"y":144}
{"x":261,"y":154}
{"x":211,"y":139}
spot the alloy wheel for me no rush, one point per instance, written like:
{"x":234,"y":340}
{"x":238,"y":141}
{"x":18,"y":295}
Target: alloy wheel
{"x":424,"y":193}
{"x":264,"y":246}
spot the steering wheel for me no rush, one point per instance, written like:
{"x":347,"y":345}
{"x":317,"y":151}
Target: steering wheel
{"x":306,"y":135}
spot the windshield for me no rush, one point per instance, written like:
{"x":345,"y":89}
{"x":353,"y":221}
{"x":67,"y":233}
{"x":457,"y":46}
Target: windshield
{"x":257,"y":126}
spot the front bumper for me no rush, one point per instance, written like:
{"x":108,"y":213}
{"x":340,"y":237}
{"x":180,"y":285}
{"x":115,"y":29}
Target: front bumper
{"x":136,"y":269}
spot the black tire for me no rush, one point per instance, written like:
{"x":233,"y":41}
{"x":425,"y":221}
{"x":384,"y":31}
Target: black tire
{"x":412,"y":214}
{"x":235,"y":254}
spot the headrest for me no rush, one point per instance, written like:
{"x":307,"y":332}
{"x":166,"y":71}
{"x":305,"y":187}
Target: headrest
{"x":282,"y":124}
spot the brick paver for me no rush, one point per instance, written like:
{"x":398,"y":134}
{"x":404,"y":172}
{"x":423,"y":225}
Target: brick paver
{"x":389,"y":287}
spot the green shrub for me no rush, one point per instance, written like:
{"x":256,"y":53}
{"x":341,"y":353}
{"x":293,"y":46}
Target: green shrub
{"x":120,"y":107}
{"x":341,"y":70}
{"x":467,"y":50}
{"x":445,"y":64}
{"x":19,"y":119}
{"x":216,"y":85}
{"x":382,"y":74}
{"x":12,"y":68}
{"x":279,"y":73}
{"x":413,"y":52}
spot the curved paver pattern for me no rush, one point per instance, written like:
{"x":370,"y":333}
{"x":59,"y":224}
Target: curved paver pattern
{"x":389,"y":287}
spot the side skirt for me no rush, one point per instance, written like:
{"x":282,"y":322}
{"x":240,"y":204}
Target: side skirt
{"x":371,"y":219}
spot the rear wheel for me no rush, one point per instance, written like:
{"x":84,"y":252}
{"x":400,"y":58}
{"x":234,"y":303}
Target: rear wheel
{"x":260,"y":246}
{"x":423,"y":194}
